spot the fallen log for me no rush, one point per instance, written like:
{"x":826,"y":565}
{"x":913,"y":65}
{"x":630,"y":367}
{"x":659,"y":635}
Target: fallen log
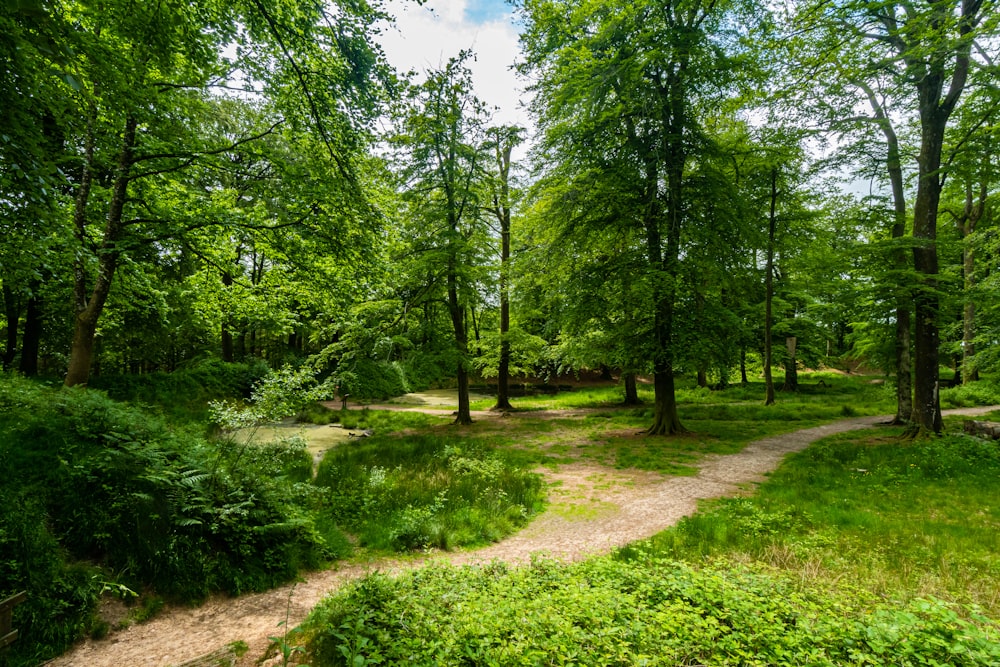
{"x":980,"y":429}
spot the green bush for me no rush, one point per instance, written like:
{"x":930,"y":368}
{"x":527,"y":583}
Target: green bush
{"x":61,"y":596}
{"x":427,"y":370}
{"x":115,"y":487}
{"x":974,"y":393}
{"x":186,"y":391}
{"x":317,"y":413}
{"x":647,"y":611}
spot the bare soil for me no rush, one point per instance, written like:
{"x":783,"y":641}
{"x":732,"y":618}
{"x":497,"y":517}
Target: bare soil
{"x":593,"y":510}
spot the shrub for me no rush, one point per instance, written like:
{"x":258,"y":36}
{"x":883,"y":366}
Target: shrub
{"x":974,"y":393}
{"x":427,"y":370}
{"x":186,"y":391}
{"x":420,"y":491}
{"x":114,"y":486}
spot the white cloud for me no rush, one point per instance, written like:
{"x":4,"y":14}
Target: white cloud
{"x":425,"y":37}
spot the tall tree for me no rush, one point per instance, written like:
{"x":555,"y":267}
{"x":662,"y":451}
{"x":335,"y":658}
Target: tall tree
{"x":928,"y":47}
{"x":444,"y":162}
{"x":505,"y":140}
{"x":623,"y":89}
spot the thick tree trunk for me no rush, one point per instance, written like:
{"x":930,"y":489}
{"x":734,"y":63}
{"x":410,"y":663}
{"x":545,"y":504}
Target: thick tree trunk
{"x":937,"y":94}
{"x":702,"y":378}
{"x":31,"y":341}
{"x":665,"y":418}
{"x":926,"y":416}
{"x":631,"y":390}
{"x":743,"y":367}
{"x":89,"y":310}
{"x":457,"y":313}
{"x":666,"y":421}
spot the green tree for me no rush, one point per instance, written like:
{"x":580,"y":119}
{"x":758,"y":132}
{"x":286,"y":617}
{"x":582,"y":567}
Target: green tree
{"x":625,"y":90}
{"x":927,"y":49}
{"x":504,"y":140}
{"x":129,"y":92}
{"x":444,"y":161}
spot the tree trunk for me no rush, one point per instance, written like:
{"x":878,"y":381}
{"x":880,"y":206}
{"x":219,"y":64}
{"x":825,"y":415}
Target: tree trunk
{"x":975,"y":208}
{"x":32,"y":339}
{"x":791,"y":368}
{"x":937,"y":95}
{"x":12,"y":310}
{"x":769,"y":291}
{"x":631,"y":390}
{"x":457,"y":313}
{"x":89,"y":309}
{"x":502,"y":211}
{"x":665,"y":418}
{"x":743,"y":367}
{"x":702,"y":378}
{"x":894,"y":167}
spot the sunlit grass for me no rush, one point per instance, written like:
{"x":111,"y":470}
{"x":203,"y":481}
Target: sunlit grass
{"x":904,"y":520}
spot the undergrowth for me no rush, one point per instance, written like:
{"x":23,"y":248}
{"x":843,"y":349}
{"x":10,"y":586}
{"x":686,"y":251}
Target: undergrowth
{"x":420,"y":491}
{"x":647,"y":611}
{"x":110,"y":497}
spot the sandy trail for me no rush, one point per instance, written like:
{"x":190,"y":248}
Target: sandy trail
{"x":618,"y":507}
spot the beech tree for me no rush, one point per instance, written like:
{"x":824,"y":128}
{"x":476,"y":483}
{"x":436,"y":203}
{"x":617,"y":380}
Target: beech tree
{"x":929,"y":48}
{"x":505,"y":140}
{"x":624,"y":91}
{"x":443,"y":158}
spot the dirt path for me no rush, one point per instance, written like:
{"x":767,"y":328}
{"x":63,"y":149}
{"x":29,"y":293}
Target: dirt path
{"x":593,"y":509}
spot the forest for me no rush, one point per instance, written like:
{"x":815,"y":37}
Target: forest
{"x":728,"y":220}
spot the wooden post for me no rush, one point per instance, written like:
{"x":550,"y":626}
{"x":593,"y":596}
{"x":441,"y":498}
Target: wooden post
{"x":7,"y":634}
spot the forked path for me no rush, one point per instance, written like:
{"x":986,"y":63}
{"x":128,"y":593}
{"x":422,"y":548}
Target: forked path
{"x":594,"y":509}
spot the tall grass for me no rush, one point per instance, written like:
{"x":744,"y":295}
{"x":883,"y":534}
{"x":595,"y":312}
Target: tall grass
{"x":420,"y":491}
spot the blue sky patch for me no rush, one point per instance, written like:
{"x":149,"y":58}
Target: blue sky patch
{"x":482,"y":11}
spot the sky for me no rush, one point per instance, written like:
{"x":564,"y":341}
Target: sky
{"x":425,"y":37}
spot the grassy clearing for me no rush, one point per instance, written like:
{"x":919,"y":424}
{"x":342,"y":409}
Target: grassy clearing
{"x":600,"y":429}
{"x":862,"y":550}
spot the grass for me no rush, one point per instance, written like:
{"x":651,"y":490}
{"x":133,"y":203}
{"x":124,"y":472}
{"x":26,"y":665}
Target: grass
{"x":422,"y":491}
{"x":720,"y":422}
{"x":863,"y":549}
{"x":903,"y":520}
